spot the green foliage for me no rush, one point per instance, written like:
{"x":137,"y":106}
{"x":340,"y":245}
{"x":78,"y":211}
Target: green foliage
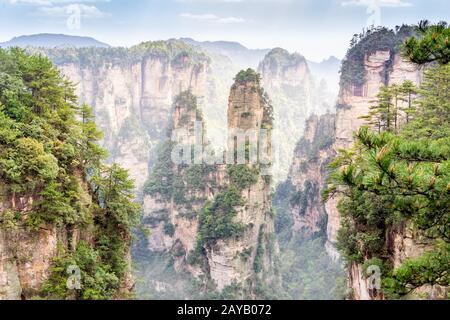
{"x":242,"y":176}
{"x":308,"y":273}
{"x":216,"y":218}
{"x":431,"y":268}
{"x":248,"y":75}
{"x":49,"y":152}
{"x":430,"y":118}
{"x":259,"y":257}
{"x":400,"y":174}
{"x":302,"y":199}
{"x":196,"y":175}
{"x":161,"y":178}
{"x":175,"y":52}
{"x":283,"y":217}
{"x":386,"y":114}
{"x":432,"y":45}
{"x":169,"y":229}
{"x":98,"y":281}
{"x":115,"y":192}
{"x":366,"y":43}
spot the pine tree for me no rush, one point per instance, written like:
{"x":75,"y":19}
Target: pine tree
{"x":409,"y":91}
{"x":401,"y":175}
{"x":433,"y":45}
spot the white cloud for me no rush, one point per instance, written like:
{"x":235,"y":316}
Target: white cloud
{"x":62,"y":11}
{"x":73,"y":11}
{"x":63,"y":8}
{"x":235,"y":1}
{"x":212,"y":18}
{"x":378,"y":3}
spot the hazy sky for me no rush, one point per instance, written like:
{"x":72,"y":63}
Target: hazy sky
{"x":315,"y":28}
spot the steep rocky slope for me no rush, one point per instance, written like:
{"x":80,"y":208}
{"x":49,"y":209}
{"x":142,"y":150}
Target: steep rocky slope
{"x":295,"y":96}
{"x":216,"y":220}
{"x":132,"y":90}
{"x":52,"y":215}
{"x":372,"y":62}
{"x":308,"y":174}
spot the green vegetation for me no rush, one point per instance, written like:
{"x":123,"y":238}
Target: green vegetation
{"x":279,"y":58}
{"x":400,"y":175}
{"x":386,"y":114}
{"x":99,"y":282}
{"x":161,"y":179}
{"x":49,"y":151}
{"x":366,"y":43}
{"x":430,"y":268}
{"x":309,"y":273}
{"x":169,"y":229}
{"x":248,"y":75}
{"x":242,"y":176}
{"x":306,"y":269}
{"x":433,"y":45}
{"x":216,"y":218}
{"x":175,"y":52}
{"x":258,"y":262}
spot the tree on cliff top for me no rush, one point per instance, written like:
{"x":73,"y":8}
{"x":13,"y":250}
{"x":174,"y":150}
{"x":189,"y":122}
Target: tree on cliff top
{"x":433,"y":45}
{"x":391,"y":179}
{"x":49,"y":151}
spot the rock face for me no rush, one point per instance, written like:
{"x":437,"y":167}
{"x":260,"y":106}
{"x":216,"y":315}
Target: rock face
{"x":248,"y":110}
{"x":132,"y":91}
{"x":295,"y":97}
{"x":234,"y":198}
{"x":308,"y":175}
{"x":382,"y":68}
{"x":25,"y":255}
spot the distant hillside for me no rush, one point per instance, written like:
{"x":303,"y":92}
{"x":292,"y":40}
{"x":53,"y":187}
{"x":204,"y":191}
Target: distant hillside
{"x":239,"y":54}
{"x":48,"y":40}
{"x":327,"y":70}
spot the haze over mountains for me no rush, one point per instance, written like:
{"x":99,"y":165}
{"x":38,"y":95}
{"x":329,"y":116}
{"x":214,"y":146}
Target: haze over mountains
{"x":140,"y":93}
{"x":241,"y":56}
{"x":48,"y":40}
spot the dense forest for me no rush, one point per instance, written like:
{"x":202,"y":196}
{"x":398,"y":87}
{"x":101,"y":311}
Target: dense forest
{"x":49,"y":154}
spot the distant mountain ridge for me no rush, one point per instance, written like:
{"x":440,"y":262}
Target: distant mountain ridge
{"x":239,"y":54}
{"x":328,"y":70}
{"x":49,"y":40}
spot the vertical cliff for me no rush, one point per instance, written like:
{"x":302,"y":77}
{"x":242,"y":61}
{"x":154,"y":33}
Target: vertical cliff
{"x":248,"y":260}
{"x":308,"y":174}
{"x":131,"y":92}
{"x":295,"y":97}
{"x":215,"y":220}
{"x":60,"y":206}
{"x":373,"y":62}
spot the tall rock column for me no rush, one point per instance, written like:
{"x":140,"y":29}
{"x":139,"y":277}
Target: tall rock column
{"x":248,"y":259}
{"x":381,"y":66}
